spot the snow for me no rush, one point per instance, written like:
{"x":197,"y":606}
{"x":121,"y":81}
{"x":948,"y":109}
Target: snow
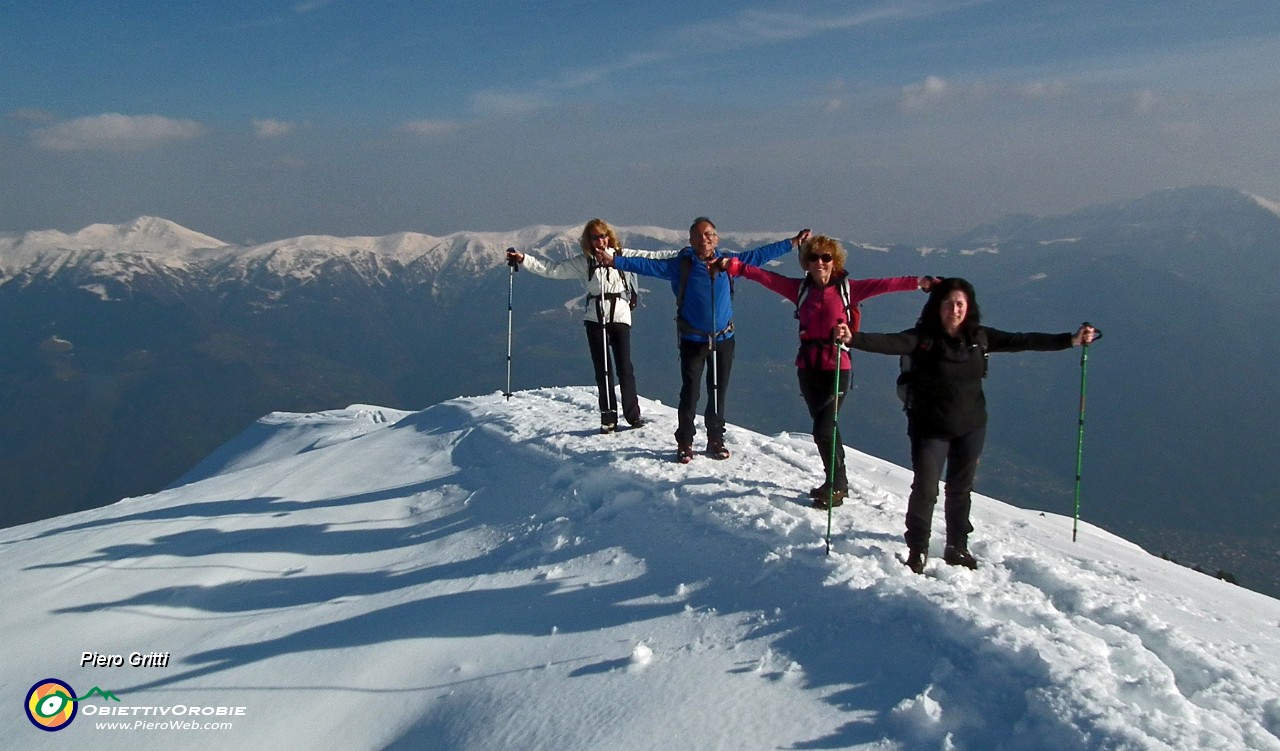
{"x":1269,"y":205}
{"x":149,"y":245}
{"x":146,"y":235}
{"x":494,"y":574}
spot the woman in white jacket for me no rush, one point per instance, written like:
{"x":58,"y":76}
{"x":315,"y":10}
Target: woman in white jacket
{"x":611,"y":296}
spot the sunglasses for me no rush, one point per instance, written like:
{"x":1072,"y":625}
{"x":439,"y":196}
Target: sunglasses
{"x":598,"y":237}
{"x":824,"y":257}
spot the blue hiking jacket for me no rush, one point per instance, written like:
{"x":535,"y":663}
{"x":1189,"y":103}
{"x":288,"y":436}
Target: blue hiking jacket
{"x":696,"y":314}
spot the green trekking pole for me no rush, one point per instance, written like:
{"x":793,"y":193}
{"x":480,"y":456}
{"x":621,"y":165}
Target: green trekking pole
{"x":835,"y":436}
{"x":1084,"y":372}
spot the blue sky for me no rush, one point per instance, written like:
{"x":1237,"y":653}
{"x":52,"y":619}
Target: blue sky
{"x":889,"y":119}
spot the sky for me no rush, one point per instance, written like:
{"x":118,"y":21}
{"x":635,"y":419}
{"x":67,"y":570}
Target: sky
{"x":885,"y":120}
{"x":491,"y":573}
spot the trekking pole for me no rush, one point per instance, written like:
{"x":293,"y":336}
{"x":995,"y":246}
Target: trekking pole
{"x":511,"y":284}
{"x":1084,"y":370}
{"x":837,"y":348}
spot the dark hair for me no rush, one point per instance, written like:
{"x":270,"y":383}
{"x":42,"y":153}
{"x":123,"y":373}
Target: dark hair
{"x":700,"y":220}
{"x":931,"y":315}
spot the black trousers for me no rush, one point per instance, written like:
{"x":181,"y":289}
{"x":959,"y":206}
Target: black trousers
{"x":695,"y":360}
{"x":818,"y":389}
{"x":960,"y":455}
{"x":622,"y":373}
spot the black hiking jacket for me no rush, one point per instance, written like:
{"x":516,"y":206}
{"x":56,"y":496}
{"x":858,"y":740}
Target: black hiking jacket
{"x":946,"y":380}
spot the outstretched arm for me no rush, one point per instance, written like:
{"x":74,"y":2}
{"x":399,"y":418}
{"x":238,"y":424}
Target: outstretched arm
{"x":902,"y":343}
{"x":574,"y":267}
{"x":861,"y":289}
{"x":1026,"y":341}
{"x":762,"y":255}
{"x":634,"y":253}
{"x":663,"y":268}
{"x":783,"y":285}
{"x":1004,"y":341}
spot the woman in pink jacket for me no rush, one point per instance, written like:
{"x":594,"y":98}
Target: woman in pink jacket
{"x":827,"y":306}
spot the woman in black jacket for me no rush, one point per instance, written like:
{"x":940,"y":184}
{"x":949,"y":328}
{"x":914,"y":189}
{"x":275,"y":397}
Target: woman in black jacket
{"x":946,"y":408}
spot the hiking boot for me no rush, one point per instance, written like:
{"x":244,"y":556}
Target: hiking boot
{"x":958,"y":555}
{"x":684,"y":453}
{"x":825,"y":488}
{"x":608,"y":427}
{"x":916,"y":559}
{"x":637,"y":423}
{"x":717,"y":450}
{"x":835,"y":497}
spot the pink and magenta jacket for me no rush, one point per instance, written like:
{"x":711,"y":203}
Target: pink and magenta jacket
{"x":823,"y":308}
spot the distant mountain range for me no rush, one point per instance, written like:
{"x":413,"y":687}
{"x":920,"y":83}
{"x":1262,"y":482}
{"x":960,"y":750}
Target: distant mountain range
{"x":132,"y":351}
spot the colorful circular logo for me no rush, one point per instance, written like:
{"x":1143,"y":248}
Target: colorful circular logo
{"x":51,"y":704}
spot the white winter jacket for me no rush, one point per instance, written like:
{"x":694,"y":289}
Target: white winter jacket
{"x":607,"y":289}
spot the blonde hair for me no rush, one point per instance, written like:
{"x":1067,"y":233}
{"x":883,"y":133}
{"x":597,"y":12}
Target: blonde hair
{"x":594,"y":227}
{"x":822,"y":244}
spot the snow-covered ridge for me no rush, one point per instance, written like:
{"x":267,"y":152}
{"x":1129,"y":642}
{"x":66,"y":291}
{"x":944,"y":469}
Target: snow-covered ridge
{"x":1269,"y":205}
{"x":122,"y":252}
{"x":146,"y":234}
{"x":150,"y":246}
{"x":492,"y":573}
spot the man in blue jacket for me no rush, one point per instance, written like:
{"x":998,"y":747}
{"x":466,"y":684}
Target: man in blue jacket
{"x":704,"y":320}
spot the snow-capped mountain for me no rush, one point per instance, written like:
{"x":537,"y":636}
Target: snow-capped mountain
{"x":493,"y":574}
{"x":1203,"y":233}
{"x":146,"y":235}
{"x":98,"y":256}
{"x":121,"y":326}
{"x":120,"y":256}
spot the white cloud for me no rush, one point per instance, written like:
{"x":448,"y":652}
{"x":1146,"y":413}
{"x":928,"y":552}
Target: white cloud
{"x":507,"y":104}
{"x":306,"y":6}
{"x":272,"y":128}
{"x":935,"y":90}
{"x":1145,"y":102}
{"x":741,"y":30}
{"x":751,"y":27}
{"x":115,"y":132}
{"x":920,"y":96}
{"x":430,"y":127}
